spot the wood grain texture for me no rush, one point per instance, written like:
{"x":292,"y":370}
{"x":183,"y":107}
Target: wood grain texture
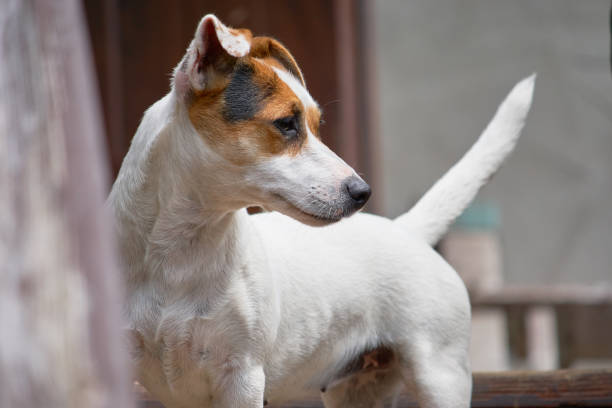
{"x":511,"y":389}
{"x":59,"y":292}
{"x":544,"y":295}
{"x":562,"y":388}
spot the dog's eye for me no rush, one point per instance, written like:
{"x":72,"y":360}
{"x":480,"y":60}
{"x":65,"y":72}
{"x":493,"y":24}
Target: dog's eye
{"x":288,"y":126}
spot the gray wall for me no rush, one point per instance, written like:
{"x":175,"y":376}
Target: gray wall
{"x":443,"y":68}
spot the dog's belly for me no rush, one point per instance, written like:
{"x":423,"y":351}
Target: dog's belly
{"x":311,"y":378}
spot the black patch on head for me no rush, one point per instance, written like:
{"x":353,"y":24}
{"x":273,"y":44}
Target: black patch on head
{"x":243,"y":96}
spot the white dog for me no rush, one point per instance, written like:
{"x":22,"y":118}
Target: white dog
{"x":231,"y":310}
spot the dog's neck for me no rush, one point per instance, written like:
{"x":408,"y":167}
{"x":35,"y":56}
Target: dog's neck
{"x":170,"y":223}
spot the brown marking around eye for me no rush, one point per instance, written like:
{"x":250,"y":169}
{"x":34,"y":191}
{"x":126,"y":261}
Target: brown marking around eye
{"x":282,"y":102}
{"x":246,"y":141}
{"x":313,"y":120}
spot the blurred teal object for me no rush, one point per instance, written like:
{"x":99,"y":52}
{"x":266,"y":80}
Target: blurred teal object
{"x":480,"y":216}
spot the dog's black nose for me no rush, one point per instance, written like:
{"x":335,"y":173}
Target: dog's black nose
{"x":358,"y":190}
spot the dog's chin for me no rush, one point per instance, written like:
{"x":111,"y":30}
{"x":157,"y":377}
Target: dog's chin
{"x":312,"y":220}
{"x":286,"y":207}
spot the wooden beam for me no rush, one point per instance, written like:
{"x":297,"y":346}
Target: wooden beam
{"x":561,"y":388}
{"x":510,"y":389}
{"x":544,"y":295}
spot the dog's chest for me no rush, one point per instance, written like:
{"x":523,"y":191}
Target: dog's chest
{"x":188,"y":346}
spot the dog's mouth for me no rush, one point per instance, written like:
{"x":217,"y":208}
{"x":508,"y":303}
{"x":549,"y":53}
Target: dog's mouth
{"x":321,"y":218}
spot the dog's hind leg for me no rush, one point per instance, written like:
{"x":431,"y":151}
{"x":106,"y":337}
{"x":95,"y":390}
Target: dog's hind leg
{"x":365,"y":389}
{"x":439,"y":381}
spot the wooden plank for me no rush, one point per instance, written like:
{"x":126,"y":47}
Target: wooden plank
{"x":544,"y":295}
{"x":561,"y":388}
{"x":510,"y":389}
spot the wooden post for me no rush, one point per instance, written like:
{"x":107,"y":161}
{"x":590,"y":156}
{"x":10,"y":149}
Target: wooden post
{"x":59,"y":289}
{"x":517,"y":332}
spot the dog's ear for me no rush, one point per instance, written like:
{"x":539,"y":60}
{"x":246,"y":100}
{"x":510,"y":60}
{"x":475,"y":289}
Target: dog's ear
{"x":266,"y":47}
{"x":211,"y":56}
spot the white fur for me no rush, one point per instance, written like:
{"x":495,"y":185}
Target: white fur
{"x":235,"y":45}
{"x":296,"y":87}
{"x":227,"y":309}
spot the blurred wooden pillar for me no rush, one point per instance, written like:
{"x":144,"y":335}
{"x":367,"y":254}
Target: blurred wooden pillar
{"x":60,"y":340}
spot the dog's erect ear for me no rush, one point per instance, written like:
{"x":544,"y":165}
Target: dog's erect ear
{"x":266,"y":47}
{"x":210,"y":56}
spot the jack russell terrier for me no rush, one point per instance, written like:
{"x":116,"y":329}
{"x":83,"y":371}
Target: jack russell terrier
{"x":231,"y":310}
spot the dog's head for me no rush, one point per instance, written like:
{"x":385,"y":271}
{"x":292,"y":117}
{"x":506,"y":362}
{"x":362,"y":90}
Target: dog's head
{"x":247,"y":100}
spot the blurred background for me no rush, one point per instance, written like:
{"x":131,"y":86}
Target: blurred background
{"x":406,"y":87}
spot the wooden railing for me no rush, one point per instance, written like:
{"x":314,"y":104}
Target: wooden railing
{"x":510,"y":389}
{"x":544,"y":295}
{"x":583,"y":317}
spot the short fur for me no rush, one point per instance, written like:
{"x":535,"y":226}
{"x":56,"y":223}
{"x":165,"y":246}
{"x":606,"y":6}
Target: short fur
{"x":231,"y":310}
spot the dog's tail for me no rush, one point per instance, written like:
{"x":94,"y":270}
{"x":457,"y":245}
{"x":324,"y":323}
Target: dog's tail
{"x":445,"y":201}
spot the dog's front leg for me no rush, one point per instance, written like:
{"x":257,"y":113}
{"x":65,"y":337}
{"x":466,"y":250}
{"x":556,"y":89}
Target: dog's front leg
{"x":241,"y":388}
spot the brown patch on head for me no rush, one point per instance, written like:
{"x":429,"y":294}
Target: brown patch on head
{"x":240,"y":120}
{"x":276,"y":54}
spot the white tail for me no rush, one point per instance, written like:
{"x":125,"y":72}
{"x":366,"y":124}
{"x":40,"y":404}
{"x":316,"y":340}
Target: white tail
{"x":445,"y":201}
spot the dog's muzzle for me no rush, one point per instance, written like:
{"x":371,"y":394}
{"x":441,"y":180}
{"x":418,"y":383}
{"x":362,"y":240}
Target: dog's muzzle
{"x":359,"y":192}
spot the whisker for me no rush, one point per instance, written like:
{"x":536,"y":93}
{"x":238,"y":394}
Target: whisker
{"x":330,"y":102}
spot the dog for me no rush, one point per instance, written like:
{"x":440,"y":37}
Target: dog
{"x":227,"y":309}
